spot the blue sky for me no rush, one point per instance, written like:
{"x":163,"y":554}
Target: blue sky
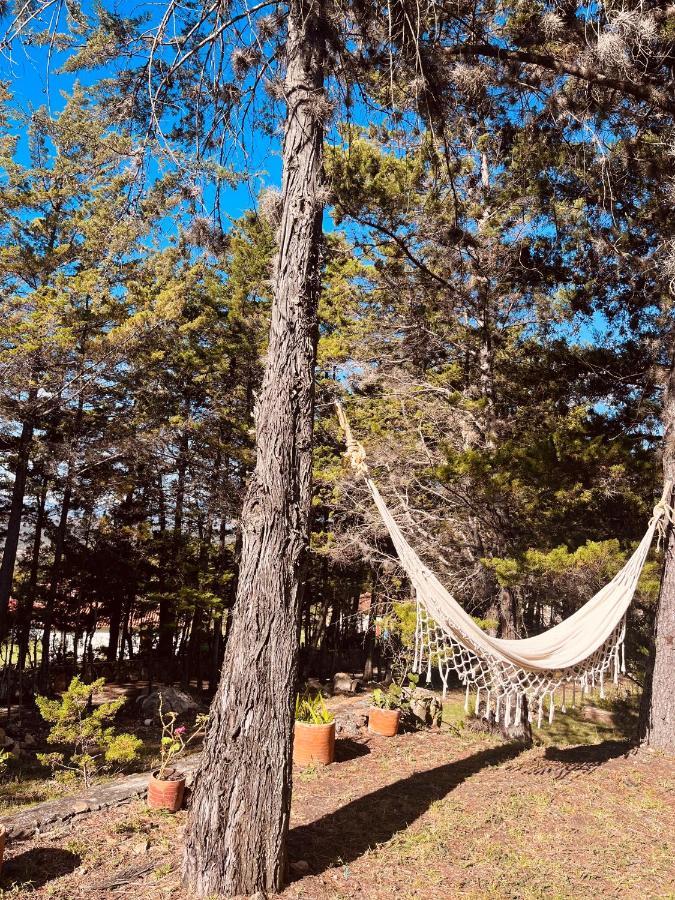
{"x":35,"y":81}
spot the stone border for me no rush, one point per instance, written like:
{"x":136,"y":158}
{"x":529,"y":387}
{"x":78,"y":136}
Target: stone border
{"x":52,"y":814}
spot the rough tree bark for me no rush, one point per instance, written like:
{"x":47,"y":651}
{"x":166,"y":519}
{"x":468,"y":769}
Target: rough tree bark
{"x":238,"y":821}
{"x":657,"y":715}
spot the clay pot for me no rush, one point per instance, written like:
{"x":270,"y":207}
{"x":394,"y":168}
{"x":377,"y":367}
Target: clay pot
{"x":314,"y":744}
{"x":3,"y":838}
{"x":166,"y":793}
{"x":384,"y":721}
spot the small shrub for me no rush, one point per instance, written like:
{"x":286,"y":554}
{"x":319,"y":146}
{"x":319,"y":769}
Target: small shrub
{"x":95,"y":744}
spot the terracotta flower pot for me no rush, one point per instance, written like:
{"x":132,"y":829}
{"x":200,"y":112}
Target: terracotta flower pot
{"x":166,"y":793}
{"x":3,"y":838}
{"x":384,"y":721}
{"x":314,"y":744}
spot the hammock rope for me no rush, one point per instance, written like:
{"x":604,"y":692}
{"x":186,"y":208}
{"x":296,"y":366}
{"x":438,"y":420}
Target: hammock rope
{"x":577,"y":652}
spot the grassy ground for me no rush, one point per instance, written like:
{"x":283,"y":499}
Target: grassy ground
{"x":450,"y":814}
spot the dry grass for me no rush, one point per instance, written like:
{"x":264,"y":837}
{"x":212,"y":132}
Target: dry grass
{"x":424,"y":815}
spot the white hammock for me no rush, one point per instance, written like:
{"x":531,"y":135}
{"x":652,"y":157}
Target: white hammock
{"x":576,"y":652}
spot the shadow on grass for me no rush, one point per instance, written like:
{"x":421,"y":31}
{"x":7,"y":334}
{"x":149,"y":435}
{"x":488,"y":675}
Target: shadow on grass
{"x":346,"y":834}
{"x":346,"y":749}
{"x":559,"y":763}
{"x":34,"y":868}
{"x":587,"y":758}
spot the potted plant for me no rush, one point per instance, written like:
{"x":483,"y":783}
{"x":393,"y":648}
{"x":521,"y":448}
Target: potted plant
{"x":384,"y":715}
{"x":314,"y":740}
{"x":166,"y":786}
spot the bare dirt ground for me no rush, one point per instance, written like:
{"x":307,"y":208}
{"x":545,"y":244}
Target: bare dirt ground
{"x":423,"y":815}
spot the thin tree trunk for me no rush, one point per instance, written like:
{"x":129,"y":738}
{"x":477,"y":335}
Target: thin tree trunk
{"x":167,"y":605}
{"x":28,"y":602}
{"x":657,"y":714}
{"x":238,"y":822}
{"x":370,"y":632}
{"x":55,"y":578}
{"x":115,"y":623}
{"x":14,"y":524}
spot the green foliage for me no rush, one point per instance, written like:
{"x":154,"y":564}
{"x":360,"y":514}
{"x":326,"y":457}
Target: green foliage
{"x":311,"y":709}
{"x":596,"y":560}
{"x":77,"y":724}
{"x":390,"y":698}
{"x":5,"y":757}
{"x":402,"y":622}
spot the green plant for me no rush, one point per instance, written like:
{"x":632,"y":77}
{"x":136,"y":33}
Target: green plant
{"x":392,"y":698}
{"x":95,"y":744}
{"x":396,"y":696}
{"x":312,"y":710}
{"x":5,"y":757}
{"x":174,"y":740}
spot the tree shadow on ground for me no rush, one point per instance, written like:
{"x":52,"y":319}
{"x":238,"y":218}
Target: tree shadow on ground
{"x":588,"y":757}
{"x":559,"y":763}
{"x":346,"y":749}
{"x":346,"y":834}
{"x":34,"y":868}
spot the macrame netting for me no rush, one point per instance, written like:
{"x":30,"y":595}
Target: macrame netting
{"x":575,"y":655}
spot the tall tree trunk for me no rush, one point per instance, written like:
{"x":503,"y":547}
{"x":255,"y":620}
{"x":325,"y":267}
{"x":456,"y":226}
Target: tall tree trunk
{"x":115,"y":622}
{"x":238,"y":822}
{"x":14,"y":523}
{"x":370,"y":632}
{"x":509,"y":614}
{"x":167,"y":605}
{"x":28,"y":602}
{"x":55,"y":578}
{"x":657,"y":714}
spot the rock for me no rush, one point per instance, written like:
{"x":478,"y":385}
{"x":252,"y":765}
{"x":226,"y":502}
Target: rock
{"x":426,"y":707}
{"x":344,"y":683}
{"x":314,"y":684}
{"x":142,"y":847}
{"x":29,"y":740}
{"x":80,"y":806}
{"x":597,"y":715}
{"x":147,"y":721}
{"x":345,"y":726}
{"x":300,"y":867}
{"x":173,"y":700}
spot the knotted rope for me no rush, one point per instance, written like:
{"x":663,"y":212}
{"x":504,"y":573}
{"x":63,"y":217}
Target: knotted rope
{"x":663,"y":515}
{"x":356,"y":452}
